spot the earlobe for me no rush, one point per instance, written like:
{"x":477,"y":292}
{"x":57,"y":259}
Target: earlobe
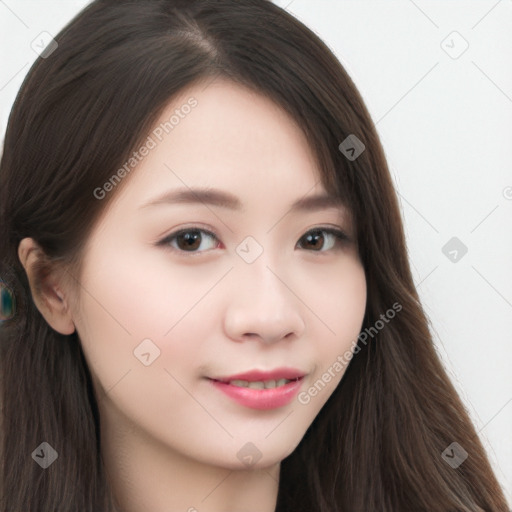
{"x":48,"y":297}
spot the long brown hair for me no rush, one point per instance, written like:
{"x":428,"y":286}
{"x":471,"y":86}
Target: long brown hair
{"x":377,"y":443}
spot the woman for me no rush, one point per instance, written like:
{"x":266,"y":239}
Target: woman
{"x":285,"y":365}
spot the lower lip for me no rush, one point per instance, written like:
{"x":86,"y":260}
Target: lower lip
{"x":262,"y":399}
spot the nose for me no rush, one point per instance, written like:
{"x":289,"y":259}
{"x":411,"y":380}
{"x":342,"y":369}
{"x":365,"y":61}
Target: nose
{"x":263,"y":305}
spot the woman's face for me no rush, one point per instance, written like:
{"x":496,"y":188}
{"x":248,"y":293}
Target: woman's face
{"x":252,"y":284}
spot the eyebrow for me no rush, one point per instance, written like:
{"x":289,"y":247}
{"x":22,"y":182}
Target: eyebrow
{"x":226,"y":200}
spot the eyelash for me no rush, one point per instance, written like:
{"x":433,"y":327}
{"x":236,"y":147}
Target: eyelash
{"x":340,"y":236}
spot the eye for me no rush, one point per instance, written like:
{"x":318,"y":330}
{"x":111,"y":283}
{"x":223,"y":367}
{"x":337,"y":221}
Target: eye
{"x":188,"y":240}
{"x":191,"y":240}
{"x":316,"y":237}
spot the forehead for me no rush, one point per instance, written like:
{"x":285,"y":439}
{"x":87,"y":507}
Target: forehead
{"x":231,"y":139}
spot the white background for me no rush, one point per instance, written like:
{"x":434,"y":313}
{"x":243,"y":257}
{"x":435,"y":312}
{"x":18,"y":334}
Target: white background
{"x":445,"y":121}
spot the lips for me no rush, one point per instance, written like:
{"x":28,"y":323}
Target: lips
{"x":258,"y":389}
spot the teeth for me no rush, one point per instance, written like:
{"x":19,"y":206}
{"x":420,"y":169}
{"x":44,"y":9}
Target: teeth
{"x":240,"y":383}
{"x":268,"y":384}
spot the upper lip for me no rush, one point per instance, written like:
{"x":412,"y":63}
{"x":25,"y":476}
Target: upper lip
{"x":262,"y":375}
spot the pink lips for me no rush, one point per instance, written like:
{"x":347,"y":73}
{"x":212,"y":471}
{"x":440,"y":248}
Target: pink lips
{"x":262,"y":399}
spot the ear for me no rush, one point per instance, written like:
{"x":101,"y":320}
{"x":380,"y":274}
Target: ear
{"x":47,"y":291}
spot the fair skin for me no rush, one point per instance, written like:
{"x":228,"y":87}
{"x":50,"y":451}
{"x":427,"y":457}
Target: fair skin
{"x":170,"y":438}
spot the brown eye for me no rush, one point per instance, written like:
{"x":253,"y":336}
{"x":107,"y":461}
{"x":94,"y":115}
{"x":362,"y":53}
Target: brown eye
{"x":188,"y":240}
{"x":315,"y":239}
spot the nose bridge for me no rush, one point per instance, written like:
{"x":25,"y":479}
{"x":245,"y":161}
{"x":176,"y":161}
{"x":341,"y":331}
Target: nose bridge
{"x":257,"y":279}
{"x":263,"y":303}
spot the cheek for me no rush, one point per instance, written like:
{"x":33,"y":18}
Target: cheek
{"x":128,"y":311}
{"x":341,"y":307}
{"x":145,"y":296}
{"x":340,"y":303}
{"x":129,"y":297}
